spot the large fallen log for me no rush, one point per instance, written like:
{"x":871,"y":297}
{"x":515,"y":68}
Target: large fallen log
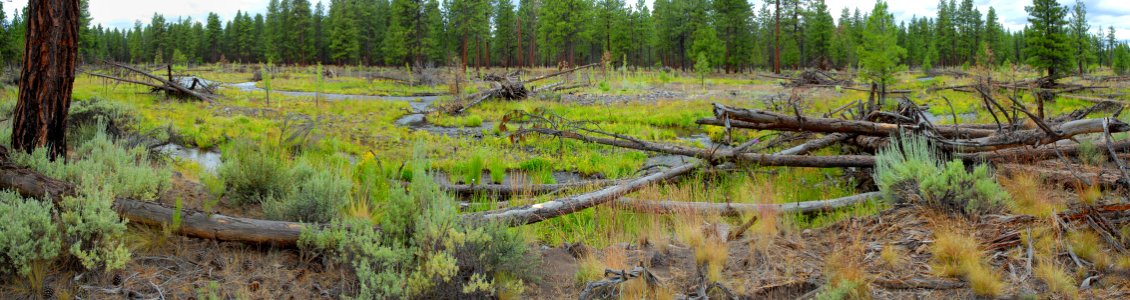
{"x":989,"y":142}
{"x":520,"y":189}
{"x":738,"y":209}
{"x":528,"y":214}
{"x":175,"y":86}
{"x":193,"y":223}
{"x":718,"y":155}
{"x":766,"y":120}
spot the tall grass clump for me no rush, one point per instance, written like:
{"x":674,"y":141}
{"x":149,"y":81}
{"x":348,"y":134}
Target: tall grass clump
{"x":253,"y":174}
{"x":424,"y":250}
{"x":128,"y":173}
{"x":960,"y":255}
{"x":909,"y":171}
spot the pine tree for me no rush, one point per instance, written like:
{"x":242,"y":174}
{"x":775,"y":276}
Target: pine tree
{"x":5,"y":40}
{"x":1121,"y":60}
{"x":213,"y":35}
{"x":319,"y":33}
{"x":561,"y":28}
{"x":505,"y":33}
{"x":879,"y":54}
{"x":1080,"y":38}
{"x":994,"y":34}
{"x":302,"y":31}
{"x":343,"y":38}
{"x":1110,"y":40}
{"x":274,"y":31}
{"x":1048,"y":46}
{"x":820,"y":30}
{"x":435,"y":41}
{"x":731,"y":19}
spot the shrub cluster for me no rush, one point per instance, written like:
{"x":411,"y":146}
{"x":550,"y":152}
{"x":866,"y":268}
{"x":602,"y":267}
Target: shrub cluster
{"x":128,"y":173}
{"x":293,"y":191}
{"x":909,"y":171}
{"x":424,"y":249}
{"x":28,"y":233}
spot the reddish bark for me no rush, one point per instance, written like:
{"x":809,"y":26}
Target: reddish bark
{"x":48,"y":76}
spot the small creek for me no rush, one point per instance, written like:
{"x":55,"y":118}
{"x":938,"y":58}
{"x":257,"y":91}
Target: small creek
{"x":209,"y":160}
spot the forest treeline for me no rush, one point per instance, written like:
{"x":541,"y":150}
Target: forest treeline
{"x":734,"y":35}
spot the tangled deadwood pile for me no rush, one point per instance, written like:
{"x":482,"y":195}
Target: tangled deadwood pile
{"x":184,"y":87}
{"x":511,"y":87}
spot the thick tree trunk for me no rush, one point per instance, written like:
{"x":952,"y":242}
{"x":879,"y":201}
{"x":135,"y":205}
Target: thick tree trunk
{"x":47,"y":77}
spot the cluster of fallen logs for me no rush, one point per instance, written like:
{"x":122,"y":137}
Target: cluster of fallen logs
{"x":511,"y":87}
{"x":180,"y":87}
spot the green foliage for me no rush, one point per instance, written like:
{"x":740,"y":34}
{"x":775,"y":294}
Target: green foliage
{"x":879,"y":52}
{"x":317,"y":195}
{"x":910,"y":172}
{"x":1122,"y":60}
{"x":28,"y":234}
{"x":424,"y":249}
{"x":1047,"y":43}
{"x":254,"y":174}
{"x":93,"y":228}
{"x":702,"y":67}
{"x":125,"y":172}
{"x":497,"y":171}
{"x":473,"y":170}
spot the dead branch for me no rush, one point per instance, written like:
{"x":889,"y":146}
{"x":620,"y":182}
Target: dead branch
{"x":717,"y":155}
{"x":518,"y":189}
{"x":529,"y":214}
{"x":738,"y":209}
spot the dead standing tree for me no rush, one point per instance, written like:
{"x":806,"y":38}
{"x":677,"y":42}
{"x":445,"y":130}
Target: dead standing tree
{"x":48,"y":77}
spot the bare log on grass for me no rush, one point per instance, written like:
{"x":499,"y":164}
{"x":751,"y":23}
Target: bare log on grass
{"x":522,"y":189}
{"x":717,"y":155}
{"x":990,"y":142}
{"x":764,"y":120}
{"x":738,"y":209}
{"x":30,"y":184}
{"x":529,"y":214}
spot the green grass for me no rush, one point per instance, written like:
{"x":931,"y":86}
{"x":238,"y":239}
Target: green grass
{"x":364,"y":131}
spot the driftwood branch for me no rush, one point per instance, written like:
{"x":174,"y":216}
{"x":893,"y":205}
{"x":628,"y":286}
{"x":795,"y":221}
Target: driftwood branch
{"x":529,"y":214}
{"x":738,"y":209}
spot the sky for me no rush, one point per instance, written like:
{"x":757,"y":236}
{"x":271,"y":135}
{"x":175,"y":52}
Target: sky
{"x":123,"y":13}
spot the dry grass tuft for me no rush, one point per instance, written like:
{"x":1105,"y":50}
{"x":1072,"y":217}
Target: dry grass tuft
{"x":1056,"y":279}
{"x":1030,"y":195}
{"x":960,"y":255}
{"x":846,"y":272}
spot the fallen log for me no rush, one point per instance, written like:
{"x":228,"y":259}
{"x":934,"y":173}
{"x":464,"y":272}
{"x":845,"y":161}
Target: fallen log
{"x":1106,"y":179}
{"x":738,"y":209}
{"x":984,"y":143}
{"x":175,"y":86}
{"x":529,"y":214}
{"x":193,"y":223}
{"x":518,"y":189}
{"x":718,"y":155}
{"x":814,"y":145}
{"x":777,"y":121}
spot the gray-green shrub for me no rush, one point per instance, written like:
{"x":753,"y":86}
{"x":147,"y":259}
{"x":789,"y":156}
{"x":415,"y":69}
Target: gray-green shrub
{"x":27,"y":235}
{"x":424,"y":249}
{"x":910,"y":171}
{"x":317,"y":196}
{"x":94,"y":230}
{"x":128,"y":173}
{"x":253,"y":174}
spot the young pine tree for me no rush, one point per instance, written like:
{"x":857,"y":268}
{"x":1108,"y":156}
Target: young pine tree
{"x":702,"y":67}
{"x":879,"y":52}
{"x":1047,"y":44}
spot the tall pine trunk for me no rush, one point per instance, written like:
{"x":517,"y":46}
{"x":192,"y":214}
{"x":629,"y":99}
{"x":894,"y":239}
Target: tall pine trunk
{"x":47,"y":78}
